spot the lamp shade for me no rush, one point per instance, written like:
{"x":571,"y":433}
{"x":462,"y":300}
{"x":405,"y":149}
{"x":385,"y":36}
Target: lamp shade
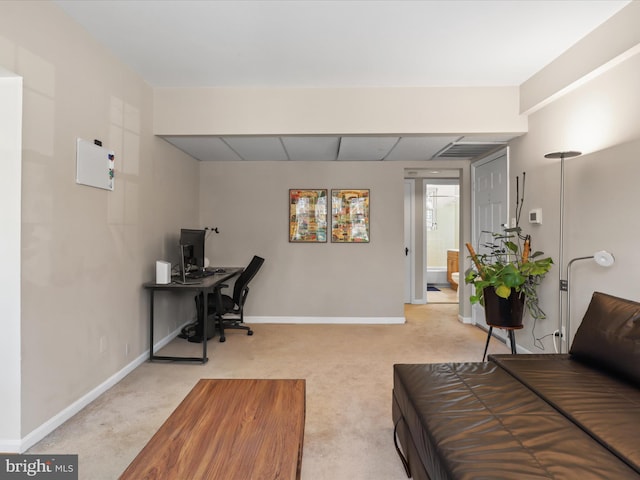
{"x":604,"y":258}
{"x":563,"y":155}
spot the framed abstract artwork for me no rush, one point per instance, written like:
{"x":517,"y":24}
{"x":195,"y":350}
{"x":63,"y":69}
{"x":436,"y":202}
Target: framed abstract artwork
{"x":350,"y":216}
{"x":308,"y":215}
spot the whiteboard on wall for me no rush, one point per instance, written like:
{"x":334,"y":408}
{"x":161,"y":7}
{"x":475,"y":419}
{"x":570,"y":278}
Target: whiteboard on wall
{"x":94,"y":165}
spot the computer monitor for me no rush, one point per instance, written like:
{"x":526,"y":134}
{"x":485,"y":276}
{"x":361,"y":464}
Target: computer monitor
{"x":193,"y":248}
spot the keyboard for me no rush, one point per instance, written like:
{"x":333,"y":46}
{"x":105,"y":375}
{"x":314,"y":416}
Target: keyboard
{"x":199,"y":274}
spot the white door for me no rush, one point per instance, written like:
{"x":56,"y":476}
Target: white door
{"x":490,"y":182}
{"x":408,"y":240}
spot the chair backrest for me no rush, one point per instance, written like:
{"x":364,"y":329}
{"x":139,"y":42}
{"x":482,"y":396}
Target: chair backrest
{"x":245,"y":277}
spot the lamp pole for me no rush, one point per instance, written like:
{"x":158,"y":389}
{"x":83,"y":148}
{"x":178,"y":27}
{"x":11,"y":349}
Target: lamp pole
{"x":563,"y":285}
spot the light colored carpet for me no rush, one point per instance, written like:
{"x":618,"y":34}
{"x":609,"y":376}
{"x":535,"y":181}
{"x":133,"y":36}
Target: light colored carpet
{"x":348,"y":372}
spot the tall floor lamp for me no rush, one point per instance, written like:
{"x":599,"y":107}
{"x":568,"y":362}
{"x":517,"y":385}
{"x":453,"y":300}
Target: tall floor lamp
{"x":561,"y":155}
{"x":602,"y":258}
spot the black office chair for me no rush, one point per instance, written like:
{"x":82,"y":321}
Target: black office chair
{"x":229,"y":311}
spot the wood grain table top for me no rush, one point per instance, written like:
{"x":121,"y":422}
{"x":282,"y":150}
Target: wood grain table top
{"x":229,"y":430}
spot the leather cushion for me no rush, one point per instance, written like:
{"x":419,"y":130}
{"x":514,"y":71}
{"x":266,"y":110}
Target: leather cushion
{"x":609,"y":336}
{"x":471,"y":421}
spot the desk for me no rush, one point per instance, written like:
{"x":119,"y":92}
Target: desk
{"x":229,"y":429}
{"x":206,"y":285}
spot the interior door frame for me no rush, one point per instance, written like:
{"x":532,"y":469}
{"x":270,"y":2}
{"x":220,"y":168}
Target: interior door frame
{"x":409,"y":240}
{"x":476,"y":310}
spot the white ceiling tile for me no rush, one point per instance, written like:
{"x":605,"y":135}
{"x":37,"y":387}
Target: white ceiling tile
{"x":419,"y":148}
{"x":205,"y":148}
{"x":365,"y":148}
{"x":257,"y":148}
{"x":312,"y":147}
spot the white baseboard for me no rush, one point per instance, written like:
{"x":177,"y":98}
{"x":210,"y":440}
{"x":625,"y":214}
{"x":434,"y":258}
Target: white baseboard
{"x":33,"y":437}
{"x":329,"y":320}
{"x":466,"y":320}
{"x":9,"y":445}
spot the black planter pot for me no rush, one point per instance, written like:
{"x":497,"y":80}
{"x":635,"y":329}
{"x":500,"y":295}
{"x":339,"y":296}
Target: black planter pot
{"x":503,"y":312}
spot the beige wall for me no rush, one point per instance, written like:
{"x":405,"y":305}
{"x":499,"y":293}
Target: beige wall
{"x":610,"y":44}
{"x":248,"y":201}
{"x":260,"y":111}
{"x":601,"y":119}
{"x":86,"y":251}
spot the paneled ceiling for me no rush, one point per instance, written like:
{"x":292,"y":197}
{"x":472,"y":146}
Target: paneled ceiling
{"x":336,"y":148}
{"x":341,"y":43}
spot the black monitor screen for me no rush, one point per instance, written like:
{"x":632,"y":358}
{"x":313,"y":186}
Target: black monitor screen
{"x":193,"y":242}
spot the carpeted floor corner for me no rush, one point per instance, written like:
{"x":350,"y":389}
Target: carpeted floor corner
{"x":348,"y":372}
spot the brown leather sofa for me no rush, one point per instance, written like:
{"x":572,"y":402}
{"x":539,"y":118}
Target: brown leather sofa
{"x":550,"y":416}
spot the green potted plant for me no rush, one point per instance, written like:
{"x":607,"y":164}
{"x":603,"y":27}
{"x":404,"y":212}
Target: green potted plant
{"x":506,"y":278}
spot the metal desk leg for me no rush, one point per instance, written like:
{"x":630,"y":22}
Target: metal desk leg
{"x":205,"y":309}
{"x":151,"y":325}
{"x":219,"y":309}
{"x":153,"y":356}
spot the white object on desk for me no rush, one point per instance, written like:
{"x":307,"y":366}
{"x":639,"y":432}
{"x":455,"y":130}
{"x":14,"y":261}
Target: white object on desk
{"x":163,"y":272}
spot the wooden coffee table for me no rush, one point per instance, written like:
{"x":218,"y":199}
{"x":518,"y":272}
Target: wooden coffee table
{"x":227,"y":430}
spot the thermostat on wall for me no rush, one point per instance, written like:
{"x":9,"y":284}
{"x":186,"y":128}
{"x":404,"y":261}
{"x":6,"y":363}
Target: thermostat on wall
{"x":535,"y":215}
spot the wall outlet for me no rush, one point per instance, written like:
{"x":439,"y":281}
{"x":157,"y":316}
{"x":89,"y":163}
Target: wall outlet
{"x":559,"y":333}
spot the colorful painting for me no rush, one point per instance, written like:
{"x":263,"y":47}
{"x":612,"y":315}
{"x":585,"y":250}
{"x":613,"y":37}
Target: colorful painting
{"x":350,"y":216}
{"x":308,"y":215}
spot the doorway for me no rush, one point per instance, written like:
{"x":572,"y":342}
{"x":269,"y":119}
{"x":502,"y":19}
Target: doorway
{"x":442,"y":239}
{"x":415,"y":231}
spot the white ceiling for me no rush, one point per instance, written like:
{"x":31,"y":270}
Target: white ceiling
{"x":336,"y":148}
{"x":343,"y":43}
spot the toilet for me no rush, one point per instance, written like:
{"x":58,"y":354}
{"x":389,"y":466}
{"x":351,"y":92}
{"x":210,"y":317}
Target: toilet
{"x":455,"y":276}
